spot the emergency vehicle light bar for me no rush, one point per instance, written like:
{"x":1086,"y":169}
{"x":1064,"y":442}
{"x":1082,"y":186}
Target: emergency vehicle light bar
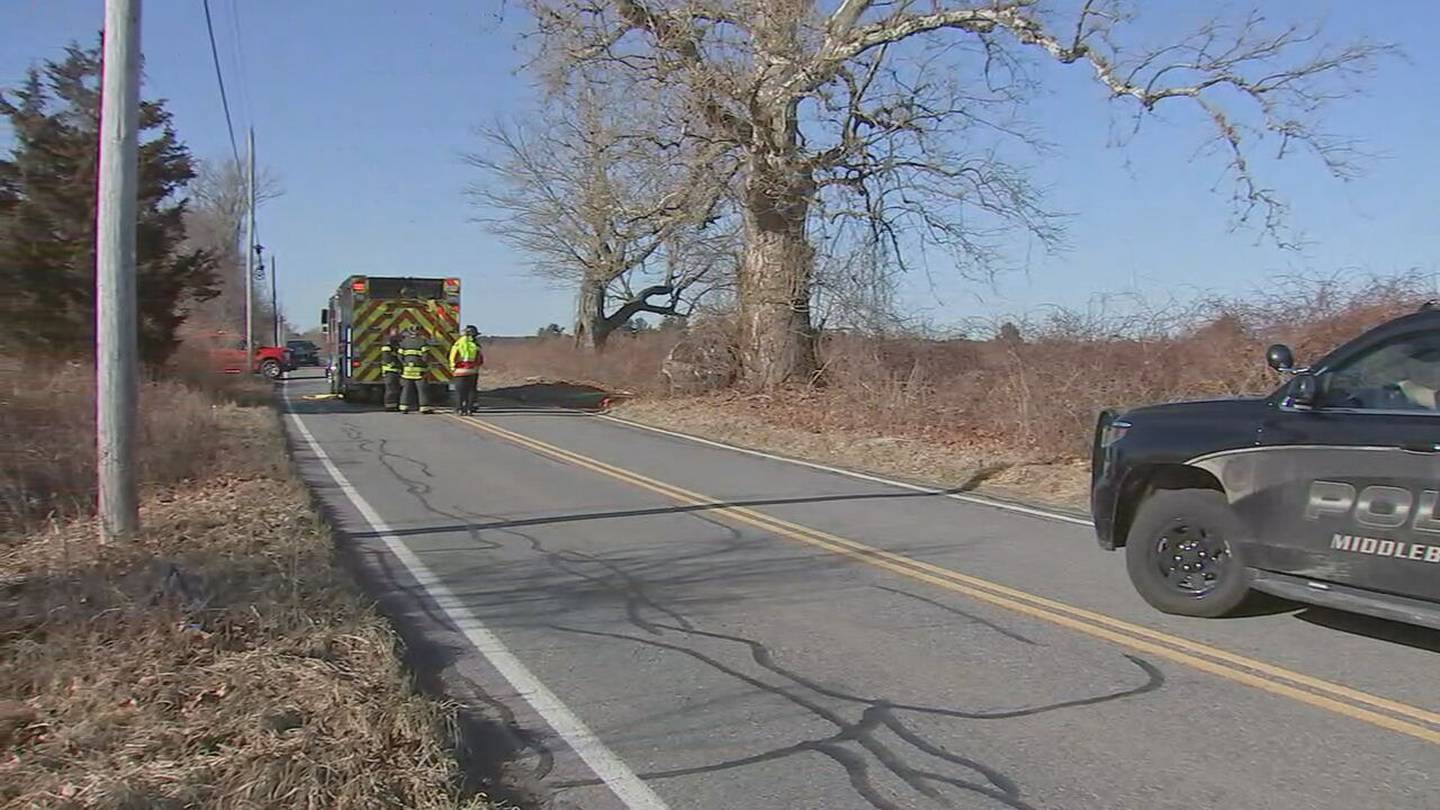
{"x":360,"y":286}
{"x":452,"y":285}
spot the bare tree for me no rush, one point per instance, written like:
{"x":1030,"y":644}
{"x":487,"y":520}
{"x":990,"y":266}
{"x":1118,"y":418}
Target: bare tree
{"x":627,"y":220}
{"x":903,"y":115}
{"x":215,"y":221}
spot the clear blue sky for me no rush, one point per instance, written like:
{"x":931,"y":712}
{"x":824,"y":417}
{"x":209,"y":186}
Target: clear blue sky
{"x":363,"y":108}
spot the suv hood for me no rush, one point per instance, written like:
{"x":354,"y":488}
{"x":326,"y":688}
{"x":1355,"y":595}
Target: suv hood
{"x":1198,"y":409}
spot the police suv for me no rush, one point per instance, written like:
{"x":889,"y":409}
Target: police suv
{"x":1324,"y":492}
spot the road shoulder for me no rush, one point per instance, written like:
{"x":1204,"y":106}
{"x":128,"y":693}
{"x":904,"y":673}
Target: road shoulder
{"x":223,"y":642}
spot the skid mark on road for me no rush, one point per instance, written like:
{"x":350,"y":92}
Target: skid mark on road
{"x":1336,"y":698}
{"x":862,"y":731}
{"x":857,"y":743}
{"x":416,"y":485}
{"x":610,"y":769}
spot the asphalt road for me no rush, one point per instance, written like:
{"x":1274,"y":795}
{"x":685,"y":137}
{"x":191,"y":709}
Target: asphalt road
{"x":660,"y":622}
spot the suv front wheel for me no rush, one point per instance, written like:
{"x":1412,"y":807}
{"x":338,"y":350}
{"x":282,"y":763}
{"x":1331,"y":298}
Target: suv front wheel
{"x":1181,"y":554}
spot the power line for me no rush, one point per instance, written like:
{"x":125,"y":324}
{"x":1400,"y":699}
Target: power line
{"x":237,"y":54}
{"x":220,"y":79}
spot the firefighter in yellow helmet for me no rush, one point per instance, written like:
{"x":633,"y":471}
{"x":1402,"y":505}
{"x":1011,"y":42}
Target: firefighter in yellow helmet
{"x":390,"y":369}
{"x":414,"y":390}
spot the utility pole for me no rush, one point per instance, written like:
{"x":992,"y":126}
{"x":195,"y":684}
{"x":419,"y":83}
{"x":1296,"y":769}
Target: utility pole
{"x":117,"y":367}
{"x":250,"y":256}
{"x":274,"y":302}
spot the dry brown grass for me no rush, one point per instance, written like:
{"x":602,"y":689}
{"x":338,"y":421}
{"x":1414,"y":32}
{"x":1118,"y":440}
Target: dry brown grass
{"x":630,"y":363}
{"x":47,"y":461}
{"x":992,"y":409}
{"x":219,"y":660}
{"x":763,"y":422}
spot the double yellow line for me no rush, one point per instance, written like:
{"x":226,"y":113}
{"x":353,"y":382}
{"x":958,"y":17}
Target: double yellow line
{"x":1389,"y":714}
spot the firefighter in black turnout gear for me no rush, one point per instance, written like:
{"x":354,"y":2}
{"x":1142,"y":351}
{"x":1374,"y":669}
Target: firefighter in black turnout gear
{"x":414,"y":391}
{"x":390,"y":370}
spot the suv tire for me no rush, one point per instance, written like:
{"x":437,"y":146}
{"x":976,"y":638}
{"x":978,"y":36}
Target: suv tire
{"x":270,"y":369}
{"x":1180,"y":553}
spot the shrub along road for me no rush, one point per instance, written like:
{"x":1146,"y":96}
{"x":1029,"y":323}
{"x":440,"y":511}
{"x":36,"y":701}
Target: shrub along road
{"x":660,"y":623}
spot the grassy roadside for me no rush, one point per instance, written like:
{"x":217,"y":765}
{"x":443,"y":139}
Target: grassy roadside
{"x":1007,"y":409}
{"x":760,"y":423}
{"x":222,"y":659}
{"x":786,"y":425}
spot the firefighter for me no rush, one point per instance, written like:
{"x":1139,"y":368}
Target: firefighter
{"x":465,"y":363}
{"x":390,"y":369}
{"x":415,"y":392}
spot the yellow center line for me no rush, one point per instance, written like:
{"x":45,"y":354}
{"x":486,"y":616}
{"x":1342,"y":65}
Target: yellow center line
{"x":1233,"y":667}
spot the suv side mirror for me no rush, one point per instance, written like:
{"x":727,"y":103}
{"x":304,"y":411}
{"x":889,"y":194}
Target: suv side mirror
{"x":1304,"y":390}
{"x":1280,"y":357}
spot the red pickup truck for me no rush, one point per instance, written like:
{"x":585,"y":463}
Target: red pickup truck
{"x":227,"y":355}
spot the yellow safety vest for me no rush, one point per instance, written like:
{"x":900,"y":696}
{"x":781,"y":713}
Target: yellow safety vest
{"x":463,"y":356}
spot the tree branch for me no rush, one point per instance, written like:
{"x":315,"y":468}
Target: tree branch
{"x":847,"y":15}
{"x":1215,"y":57}
{"x":641,"y":303}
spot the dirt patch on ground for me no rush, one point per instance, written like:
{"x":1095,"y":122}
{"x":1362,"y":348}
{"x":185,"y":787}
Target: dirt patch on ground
{"x":943,"y":461}
{"x":550,"y":393}
{"x":220,"y":659}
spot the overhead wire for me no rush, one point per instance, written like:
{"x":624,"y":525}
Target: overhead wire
{"x":220,"y":80}
{"x":240,"y":70}
{"x":238,"y":59}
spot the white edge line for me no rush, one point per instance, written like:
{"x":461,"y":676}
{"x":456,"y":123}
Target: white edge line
{"x":628,"y":787}
{"x":975,"y":499}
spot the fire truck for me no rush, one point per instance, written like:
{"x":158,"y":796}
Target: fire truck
{"x":366,"y":309}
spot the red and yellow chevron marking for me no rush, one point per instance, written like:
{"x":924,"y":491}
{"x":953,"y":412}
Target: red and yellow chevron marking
{"x":374,"y":320}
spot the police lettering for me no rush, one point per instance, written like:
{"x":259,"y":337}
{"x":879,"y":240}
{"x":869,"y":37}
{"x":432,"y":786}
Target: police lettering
{"x":1377,"y":506}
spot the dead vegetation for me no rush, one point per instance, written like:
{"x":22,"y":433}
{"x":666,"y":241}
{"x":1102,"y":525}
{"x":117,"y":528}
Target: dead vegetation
{"x":630,"y":364}
{"x":47,"y":461}
{"x":221,"y":659}
{"x":1002,"y":401}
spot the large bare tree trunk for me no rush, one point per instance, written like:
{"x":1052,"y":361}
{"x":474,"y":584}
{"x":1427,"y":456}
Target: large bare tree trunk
{"x":777,"y":340}
{"x":591,"y":329}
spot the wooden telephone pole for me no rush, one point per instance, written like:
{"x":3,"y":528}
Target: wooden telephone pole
{"x":274,"y":303}
{"x":117,"y":367}
{"x":250,"y":256}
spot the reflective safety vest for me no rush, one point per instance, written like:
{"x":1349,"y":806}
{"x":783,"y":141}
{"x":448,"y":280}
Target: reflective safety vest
{"x":465,"y":356}
{"x":389,"y":363}
{"x":412,"y":363}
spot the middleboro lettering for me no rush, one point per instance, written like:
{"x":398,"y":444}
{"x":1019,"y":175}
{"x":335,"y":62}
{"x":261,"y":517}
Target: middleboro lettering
{"x":1399,"y":549}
